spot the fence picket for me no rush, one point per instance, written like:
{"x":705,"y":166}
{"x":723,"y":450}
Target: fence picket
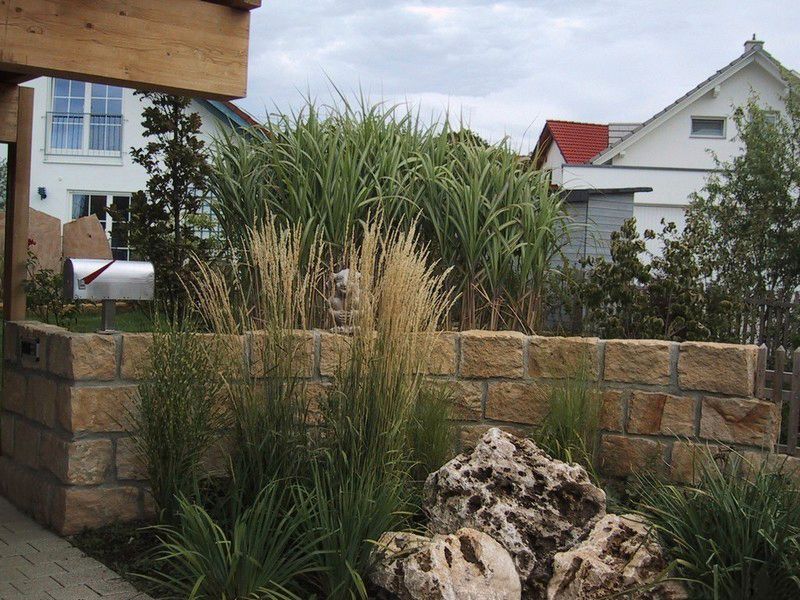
{"x":794,"y":406}
{"x":777,"y":378}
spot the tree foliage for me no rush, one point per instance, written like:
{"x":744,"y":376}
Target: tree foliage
{"x":163,"y":220}
{"x":745,"y":223}
{"x":741,"y":240}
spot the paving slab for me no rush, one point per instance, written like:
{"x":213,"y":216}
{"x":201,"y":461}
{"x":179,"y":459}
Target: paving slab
{"x":36,"y":564}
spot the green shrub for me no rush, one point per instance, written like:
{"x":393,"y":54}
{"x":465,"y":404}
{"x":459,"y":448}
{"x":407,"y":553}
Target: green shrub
{"x":431,"y":432}
{"x":734,"y":536}
{"x":265,"y":554}
{"x":176,"y":414}
{"x":571,"y":428}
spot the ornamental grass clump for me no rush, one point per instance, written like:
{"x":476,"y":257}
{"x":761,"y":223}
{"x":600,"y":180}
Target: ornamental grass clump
{"x":571,"y":429}
{"x":350,"y":459}
{"x":735,"y":535}
{"x":176,"y":413}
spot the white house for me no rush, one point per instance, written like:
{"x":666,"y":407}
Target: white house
{"x":672,"y":151}
{"x":82,"y":136}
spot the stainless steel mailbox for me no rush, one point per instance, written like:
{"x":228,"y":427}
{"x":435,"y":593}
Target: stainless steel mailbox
{"x":93,"y":279}
{"x":108,"y":281}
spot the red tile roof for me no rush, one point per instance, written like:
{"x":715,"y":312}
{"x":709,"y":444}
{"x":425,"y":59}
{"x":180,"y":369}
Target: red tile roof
{"x":578,"y":142}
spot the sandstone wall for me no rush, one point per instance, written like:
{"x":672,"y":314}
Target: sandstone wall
{"x":67,"y":459}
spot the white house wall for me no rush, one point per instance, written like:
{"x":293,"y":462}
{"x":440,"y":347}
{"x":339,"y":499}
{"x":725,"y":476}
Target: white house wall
{"x":671,"y":145}
{"x":553,"y":161}
{"x":60,"y":176}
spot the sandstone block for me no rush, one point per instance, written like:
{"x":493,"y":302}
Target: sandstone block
{"x":491,"y":353}
{"x":83,"y":356}
{"x":41,"y":400}
{"x":136,"y":355}
{"x":27,"y":489}
{"x":79,"y":462}
{"x":7,"y":434}
{"x":97,"y":409}
{"x":612,"y":410}
{"x":518,"y":402}
{"x":334,"y":353}
{"x":35,"y":335}
{"x":562,"y":356}
{"x":657,"y":413}
{"x":508,"y":488}
{"x":129,"y":463}
{"x":26,"y":443}
{"x":623,"y":456}
{"x":637,"y":361}
{"x":466,"y":397}
{"x":14,"y":391}
{"x":689,"y":460}
{"x":79,"y":508}
{"x":740,"y":421}
{"x":10,"y":342}
{"x":299,"y":345}
{"x":721,"y":368}
{"x":441,"y":348}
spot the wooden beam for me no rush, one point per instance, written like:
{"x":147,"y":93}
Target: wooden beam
{"x":17,"y":211}
{"x":240,"y":4}
{"x":9,"y":102}
{"x":181,"y":46}
{"x":15,"y":78}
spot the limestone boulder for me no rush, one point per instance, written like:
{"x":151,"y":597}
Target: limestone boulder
{"x":510,"y":489}
{"x":466,"y":565}
{"x":620,"y":558}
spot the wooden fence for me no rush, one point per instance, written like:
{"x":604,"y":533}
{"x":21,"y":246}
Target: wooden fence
{"x":782,"y":385}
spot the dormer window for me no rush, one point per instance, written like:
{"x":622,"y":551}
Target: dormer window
{"x":708,"y":127}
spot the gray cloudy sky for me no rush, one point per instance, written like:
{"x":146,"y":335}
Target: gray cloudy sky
{"x":507,"y":66}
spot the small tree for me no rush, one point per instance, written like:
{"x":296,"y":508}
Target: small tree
{"x":164,"y":217}
{"x":745,"y":224}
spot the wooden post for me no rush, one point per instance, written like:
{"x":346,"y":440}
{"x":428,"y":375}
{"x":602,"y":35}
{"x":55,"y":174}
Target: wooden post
{"x":794,"y":406}
{"x":17,"y":210}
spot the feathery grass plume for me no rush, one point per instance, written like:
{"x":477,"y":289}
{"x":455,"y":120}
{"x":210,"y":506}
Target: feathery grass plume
{"x":272,"y":293}
{"x":734,"y":535}
{"x":362,"y":474}
{"x":264,"y":555}
{"x":571,"y":429}
{"x":177,"y":413}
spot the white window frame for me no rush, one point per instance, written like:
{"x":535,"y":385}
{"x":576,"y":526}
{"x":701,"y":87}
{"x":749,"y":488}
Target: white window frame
{"x":107,"y":221}
{"x":83,"y":155}
{"x":722,"y":136}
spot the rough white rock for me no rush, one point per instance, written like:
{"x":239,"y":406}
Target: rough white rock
{"x":533,"y":505}
{"x":620,"y":553}
{"x":467,"y":565}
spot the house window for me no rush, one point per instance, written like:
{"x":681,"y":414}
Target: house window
{"x":85,"y":120}
{"x":713,"y":127}
{"x":85,"y":204}
{"x":771,"y":117}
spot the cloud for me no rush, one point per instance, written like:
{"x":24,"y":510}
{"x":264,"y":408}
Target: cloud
{"x":506,"y":65}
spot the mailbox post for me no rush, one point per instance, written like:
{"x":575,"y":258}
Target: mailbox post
{"x":108,"y":281}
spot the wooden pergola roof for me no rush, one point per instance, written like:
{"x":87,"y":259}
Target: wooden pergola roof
{"x":191,"y":47}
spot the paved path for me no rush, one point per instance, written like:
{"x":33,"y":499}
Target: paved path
{"x":36,"y":564}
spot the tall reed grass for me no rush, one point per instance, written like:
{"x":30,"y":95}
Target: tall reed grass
{"x":481,"y":210}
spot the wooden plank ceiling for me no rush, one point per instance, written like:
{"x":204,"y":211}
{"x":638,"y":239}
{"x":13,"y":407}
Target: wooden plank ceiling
{"x":191,"y":47}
